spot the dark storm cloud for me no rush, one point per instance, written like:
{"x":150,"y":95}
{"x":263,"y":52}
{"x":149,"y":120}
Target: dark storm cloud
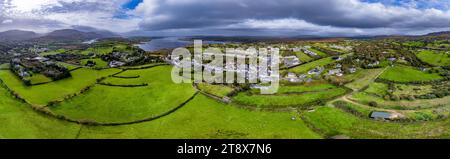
{"x":229,"y":17}
{"x":31,"y":24}
{"x":76,"y":6}
{"x":344,"y":13}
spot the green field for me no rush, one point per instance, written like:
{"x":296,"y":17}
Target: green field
{"x":414,"y":44}
{"x":320,"y":53}
{"x":412,"y":89}
{"x":143,"y":102}
{"x":201,"y":118}
{"x":53,"y":52}
{"x":311,"y":87}
{"x":380,"y":89}
{"x":363,"y":78}
{"x":434,"y":58}
{"x":303,"y":57}
{"x":4,"y":66}
{"x":286,"y":100}
{"x":68,"y":66}
{"x":216,"y":90}
{"x":332,"y":121}
{"x":401,"y":73}
{"x":98,"y":50}
{"x":137,"y":103}
{"x":39,"y":78}
{"x":99,"y":63}
{"x":142,"y":66}
{"x":365,"y":98}
{"x":308,"y":66}
{"x":57,"y":90}
{"x":362,"y":111}
{"x":204,"y":118}
{"x":19,"y":121}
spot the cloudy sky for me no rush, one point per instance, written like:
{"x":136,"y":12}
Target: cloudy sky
{"x":230,"y":17}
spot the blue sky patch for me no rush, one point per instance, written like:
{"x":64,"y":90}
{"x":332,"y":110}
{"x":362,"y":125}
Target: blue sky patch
{"x":132,"y":4}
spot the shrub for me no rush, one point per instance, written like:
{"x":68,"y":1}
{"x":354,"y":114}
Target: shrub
{"x":395,"y":97}
{"x":411,"y":98}
{"x":373,"y":104}
{"x":87,"y":122}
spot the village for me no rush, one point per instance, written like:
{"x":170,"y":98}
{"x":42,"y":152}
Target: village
{"x":370,"y":82}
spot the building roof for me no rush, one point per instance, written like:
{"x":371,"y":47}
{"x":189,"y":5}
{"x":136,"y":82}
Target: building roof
{"x":384,"y":115}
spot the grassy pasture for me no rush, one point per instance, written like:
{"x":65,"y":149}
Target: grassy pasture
{"x":53,"y":52}
{"x":217,"y":90}
{"x":19,"y":121}
{"x":303,"y":57}
{"x":68,"y":66}
{"x":57,"y":90}
{"x":121,"y":47}
{"x":286,"y":100}
{"x":434,"y":58}
{"x":109,"y":104}
{"x":141,"y":66}
{"x":363,"y":78}
{"x":414,"y":115}
{"x":332,"y":121}
{"x":39,"y":78}
{"x":414,"y":44}
{"x":380,"y":89}
{"x":401,"y":73}
{"x":4,"y":66}
{"x":204,"y":118}
{"x":320,"y":53}
{"x":125,"y":81}
{"x":412,"y":89}
{"x":98,"y":50}
{"x":305,"y":88}
{"x":308,"y":66}
{"x":99,"y":63}
{"x":365,"y":98}
{"x":143,"y":76}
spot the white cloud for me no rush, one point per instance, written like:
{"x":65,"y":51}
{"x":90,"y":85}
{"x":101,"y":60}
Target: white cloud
{"x":277,"y":16}
{"x":288,"y":23}
{"x":93,"y":13}
{"x":7,"y":21}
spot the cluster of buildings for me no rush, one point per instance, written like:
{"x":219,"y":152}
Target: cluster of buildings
{"x":26,"y":65}
{"x":376,"y":63}
{"x":293,"y":78}
{"x":117,"y":59}
{"x":291,"y":61}
{"x":306,"y":50}
{"x":251,"y":71}
{"x":310,"y":53}
{"x":317,"y":71}
{"x":345,"y":48}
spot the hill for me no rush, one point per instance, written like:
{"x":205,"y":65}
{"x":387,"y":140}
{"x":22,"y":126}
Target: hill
{"x":17,"y":35}
{"x":71,"y":35}
{"x":104,"y":33}
{"x":439,"y":33}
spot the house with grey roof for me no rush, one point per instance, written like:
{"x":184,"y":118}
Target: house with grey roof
{"x":382,"y":116}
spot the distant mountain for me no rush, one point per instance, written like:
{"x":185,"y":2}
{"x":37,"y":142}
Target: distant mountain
{"x":70,"y":35}
{"x":439,"y":33}
{"x":17,"y":35}
{"x":73,"y":34}
{"x":105,"y":33}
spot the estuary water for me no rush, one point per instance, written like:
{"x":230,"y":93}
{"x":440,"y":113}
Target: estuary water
{"x":170,"y":43}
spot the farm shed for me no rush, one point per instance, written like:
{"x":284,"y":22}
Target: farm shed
{"x":382,"y":115}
